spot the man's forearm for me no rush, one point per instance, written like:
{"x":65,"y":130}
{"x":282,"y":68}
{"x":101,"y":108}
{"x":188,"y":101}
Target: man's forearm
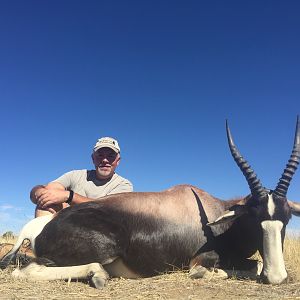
{"x":79,"y":199}
{"x":75,"y":200}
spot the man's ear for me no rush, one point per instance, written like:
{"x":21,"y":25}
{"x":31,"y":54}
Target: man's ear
{"x":229,"y":215}
{"x":295,"y":208}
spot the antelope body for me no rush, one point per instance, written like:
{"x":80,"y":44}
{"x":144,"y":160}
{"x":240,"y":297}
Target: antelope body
{"x":143,"y":234}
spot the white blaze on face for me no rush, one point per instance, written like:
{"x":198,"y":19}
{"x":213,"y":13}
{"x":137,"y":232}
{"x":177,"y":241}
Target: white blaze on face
{"x":274,"y":268}
{"x":271,"y":206}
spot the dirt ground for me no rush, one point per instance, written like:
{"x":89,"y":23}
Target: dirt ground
{"x":170,"y":286}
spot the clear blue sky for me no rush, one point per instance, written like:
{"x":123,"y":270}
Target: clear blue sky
{"x":161,"y":77}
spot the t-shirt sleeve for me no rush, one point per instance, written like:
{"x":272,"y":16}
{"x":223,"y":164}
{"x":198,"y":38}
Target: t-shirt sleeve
{"x":66,"y":179}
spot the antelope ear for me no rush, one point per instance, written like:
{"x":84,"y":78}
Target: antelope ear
{"x":229,"y":215}
{"x":295,"y":207}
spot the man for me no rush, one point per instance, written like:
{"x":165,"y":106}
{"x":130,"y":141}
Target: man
{"x":83,"y":185}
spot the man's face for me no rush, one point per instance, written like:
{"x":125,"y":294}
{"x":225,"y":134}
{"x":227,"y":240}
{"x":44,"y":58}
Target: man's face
{"x":105,"y":160}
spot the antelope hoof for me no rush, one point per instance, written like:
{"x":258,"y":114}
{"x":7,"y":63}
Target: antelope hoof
{"x":97,"y":281}
{"x":201,"y":272}
{"x":197,"y":272}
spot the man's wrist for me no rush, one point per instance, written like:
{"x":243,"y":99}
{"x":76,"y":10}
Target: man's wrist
{"x":70,"y":198}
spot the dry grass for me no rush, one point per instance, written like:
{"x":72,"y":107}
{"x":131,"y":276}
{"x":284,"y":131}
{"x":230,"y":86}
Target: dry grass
{"x":176,"y":285}
{"x":10,"y":240}
{"x":292,"y":257}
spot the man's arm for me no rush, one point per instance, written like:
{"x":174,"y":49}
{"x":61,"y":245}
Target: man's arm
{"x":52,"y":194}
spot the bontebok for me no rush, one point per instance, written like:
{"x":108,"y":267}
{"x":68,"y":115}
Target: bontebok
{"x":143,"y":234}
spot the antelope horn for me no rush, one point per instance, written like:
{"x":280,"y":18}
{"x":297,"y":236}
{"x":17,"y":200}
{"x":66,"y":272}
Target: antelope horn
{"x":291,"y":167}
{"x":257,"y":190}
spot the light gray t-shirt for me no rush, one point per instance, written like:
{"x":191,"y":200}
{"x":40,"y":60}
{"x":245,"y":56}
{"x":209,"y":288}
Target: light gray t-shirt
{"x":85,"y":183}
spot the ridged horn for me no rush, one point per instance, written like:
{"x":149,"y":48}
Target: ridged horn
{"x":257,"y":190}
{"x":291,"y":167}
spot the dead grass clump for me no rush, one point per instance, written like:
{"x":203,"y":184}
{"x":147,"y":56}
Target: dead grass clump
{"x":8,"y":237}
{"x":292,"y":257}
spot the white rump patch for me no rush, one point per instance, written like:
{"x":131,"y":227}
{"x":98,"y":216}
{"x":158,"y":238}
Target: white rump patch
{"x":30,"y":231}
{"x":271,"y":205}
{"x":274,"y":268}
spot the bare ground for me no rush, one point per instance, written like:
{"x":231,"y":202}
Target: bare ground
{"x":176,"y":285}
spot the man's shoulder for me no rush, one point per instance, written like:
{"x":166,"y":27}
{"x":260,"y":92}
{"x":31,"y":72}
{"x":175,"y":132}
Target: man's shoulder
{"x":72,"y":177}
{"x":119,"y":178}
{"x":121,"y":184}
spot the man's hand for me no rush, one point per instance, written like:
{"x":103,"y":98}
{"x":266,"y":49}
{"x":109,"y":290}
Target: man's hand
{"x":48,"y":197}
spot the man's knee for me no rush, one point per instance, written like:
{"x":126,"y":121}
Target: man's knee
{"x":39,"y":212}
{"x":33,"y":193}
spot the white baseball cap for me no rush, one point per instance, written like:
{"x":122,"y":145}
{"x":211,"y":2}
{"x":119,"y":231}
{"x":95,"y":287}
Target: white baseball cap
{"x":107,"y":142}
